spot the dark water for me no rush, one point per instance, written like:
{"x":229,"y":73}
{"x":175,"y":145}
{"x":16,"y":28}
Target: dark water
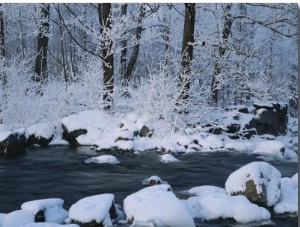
{"x":60,"y":172}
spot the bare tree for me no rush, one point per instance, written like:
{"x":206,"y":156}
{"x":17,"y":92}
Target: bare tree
{"x":104,"y":13}
{"x":187,"y":52}
{"x":2,"y":45}
{"x":42,"y":44}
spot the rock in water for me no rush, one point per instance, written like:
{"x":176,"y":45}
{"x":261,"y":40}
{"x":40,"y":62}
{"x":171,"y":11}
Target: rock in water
{"x":258,"y":181}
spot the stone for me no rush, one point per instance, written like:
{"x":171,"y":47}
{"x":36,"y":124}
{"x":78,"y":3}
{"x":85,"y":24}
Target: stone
{"x":258,"y":181}
{"x":71,"y":136}
{"x":42,"y":141}
{"x":14,"y":143}
{"x":145,"y":131}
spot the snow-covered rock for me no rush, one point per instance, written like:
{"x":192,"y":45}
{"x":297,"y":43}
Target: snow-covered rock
{"x":88,"y":127}
{"x":98,"y":209}
{"x":153,"y":180}
{"x":204,"y":190}
{"x":40,"y":134}
{"x":18,"y":218}
{"x":258,"y":181}
{"x":213,"y":206}
{"x":12,"y":142}
{"x":288,"y":202}
{"x":109,"y":159}
{"x":47,"y":210}
{"x":157,"y":205}
{"x":272,"y":148}
{"x":167,"y":158}
{"x":49,"y":225}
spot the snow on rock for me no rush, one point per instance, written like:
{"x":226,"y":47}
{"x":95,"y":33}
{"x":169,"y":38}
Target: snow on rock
{"x":258,"y":181}
{"x":109,"y":159}
{"x":270,"y":147}
{"x":219,"y":205}
{"x":97,"y":208}
{"x":288,"y":202}
{"x":48,"y":210}
{"x":204,"y":190}
{"x":18,"y":218}
{"x":40,"y":224}
{"x":157,"y":205}
{"x":153,"y":180}
{"x":95,"y":124}
{"x":12,"y":142}
{"x":125,"y":145}
{"x":167,"y":158}
{"x":45,"y":130}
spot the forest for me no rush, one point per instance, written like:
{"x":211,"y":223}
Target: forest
{"x":177,"y":62}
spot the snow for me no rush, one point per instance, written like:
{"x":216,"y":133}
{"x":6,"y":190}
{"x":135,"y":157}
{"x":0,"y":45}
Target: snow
{"x":45,"y":130}
{"x":5,"y":134}
{"x":218,"y":205}
{"x":153,"y":180}
{"x":41,"y":224}
{"x":93,"y":208}
{"x":52,"y":208}
{"x":261,"y":173}
{"x":288,"y":202}
{"x":18,"y":218}
{"x":157,"y":205}
{"x":168,"y":158}
{"x":204,"y":190}
{"x":109,"y":159}
{"x":270,"y":147}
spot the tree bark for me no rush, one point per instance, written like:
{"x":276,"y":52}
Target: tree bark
{"x":104,"y":11}
{"x":42,"y":45}
{"x":221,"y":52}
{"x":123,"y":58}
{"x":136,"y":48}
{"x":2,"y":46}
{"x":187,"y":53}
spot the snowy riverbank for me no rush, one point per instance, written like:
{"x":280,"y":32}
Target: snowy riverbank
{"x":158,"y":205}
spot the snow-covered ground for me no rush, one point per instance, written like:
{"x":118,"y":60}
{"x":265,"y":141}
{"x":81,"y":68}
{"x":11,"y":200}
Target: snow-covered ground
{"x":157,"y":205}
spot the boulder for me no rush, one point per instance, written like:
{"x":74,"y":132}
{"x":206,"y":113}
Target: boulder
{"x":145,"y":131}
{"x":157,"y":206}
{"x":12,"y":142}
{"x":272,"y":118}
{"x":47,"y":210}
{"x":40,"y":134}
{"x":258,"y":181}
{"x":94,"y":211}
{"x":71,"y":136}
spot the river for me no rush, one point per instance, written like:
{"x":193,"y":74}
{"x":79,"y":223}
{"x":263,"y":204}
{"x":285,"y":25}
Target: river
{"x":60,"y":172}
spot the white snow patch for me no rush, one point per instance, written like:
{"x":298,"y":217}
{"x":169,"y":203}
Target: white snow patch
{"x":109,"y":159}
{"x":270,"y":147}
{"x":167,"y":158}
{"x":219,"y":205}
{"x":204,"y":190}
{"x":45,"y":130}
{"x":288,"y":201}
{"x":18,"y":218}
{"x":5,"y":134}
{"x":262,"y":173}
{"x":157,"y":205}
{"x":153,"y":180}
{"x":93,"y":208}
{"x":52,"y":208}
{"x":43,"y":224}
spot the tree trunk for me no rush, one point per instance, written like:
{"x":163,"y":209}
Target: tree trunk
{"x":42,"y":40}
{"x":104,"y":11}
{"x":123,"y":58}
{"x":2,"y":47}
{"x":187,"y":54}
{"x":136,"y":48}
{"x":221,"y":52}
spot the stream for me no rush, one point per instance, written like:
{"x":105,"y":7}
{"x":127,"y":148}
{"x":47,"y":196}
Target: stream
{"x":60,"y":172}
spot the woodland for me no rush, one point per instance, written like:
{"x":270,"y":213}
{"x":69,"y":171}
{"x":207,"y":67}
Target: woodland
{"x":175,"y":62}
